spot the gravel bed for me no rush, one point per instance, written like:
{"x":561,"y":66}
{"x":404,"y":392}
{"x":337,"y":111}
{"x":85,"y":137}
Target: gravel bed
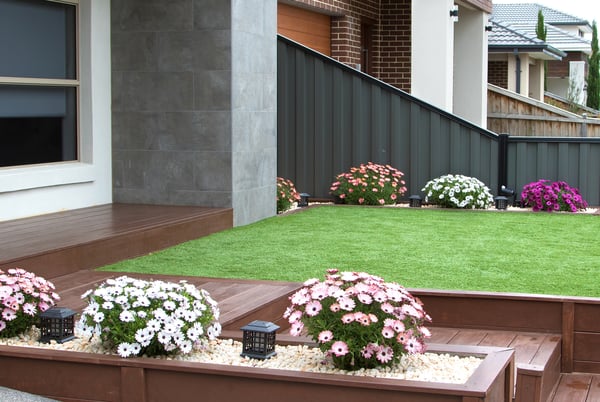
{"x":436,"y":367}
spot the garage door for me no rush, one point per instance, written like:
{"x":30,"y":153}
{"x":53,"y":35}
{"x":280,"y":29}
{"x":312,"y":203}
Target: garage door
{"x":307,"y":27}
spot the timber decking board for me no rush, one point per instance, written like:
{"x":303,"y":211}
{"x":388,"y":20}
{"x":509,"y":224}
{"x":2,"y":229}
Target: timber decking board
{"x":23,"y":237}
{"x":236,"y":298}
{"x":66,"y":242}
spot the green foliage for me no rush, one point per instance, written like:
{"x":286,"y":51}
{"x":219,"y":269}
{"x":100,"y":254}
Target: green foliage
{"x":458,"y":191}
{"x":540,"y":28}
{"x":286,"y":194}
{"x":369,"y":184}
{"x":593,"y":79}
{"x":541,"y":31}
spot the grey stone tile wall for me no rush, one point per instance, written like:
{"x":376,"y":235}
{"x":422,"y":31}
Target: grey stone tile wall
{"x":194,"y":104}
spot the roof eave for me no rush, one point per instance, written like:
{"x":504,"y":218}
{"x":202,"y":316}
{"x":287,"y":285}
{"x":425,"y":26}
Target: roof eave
{"x":539,"y":52}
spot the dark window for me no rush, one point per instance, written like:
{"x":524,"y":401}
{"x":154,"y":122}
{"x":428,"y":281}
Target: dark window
{"x":38,"y":82}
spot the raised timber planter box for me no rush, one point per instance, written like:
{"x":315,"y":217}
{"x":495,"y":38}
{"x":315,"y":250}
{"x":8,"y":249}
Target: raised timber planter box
{"x":73,"y":376}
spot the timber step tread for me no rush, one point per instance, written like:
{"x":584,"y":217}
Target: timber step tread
{"x":537,"y":356}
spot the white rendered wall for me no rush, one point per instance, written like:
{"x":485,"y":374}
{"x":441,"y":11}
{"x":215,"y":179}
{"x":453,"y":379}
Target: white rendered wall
{"x":433,"y":52}
{"x":536,"y":79}
{"x":577,"y":82}
{"x":470,"y":66}
{"x":40,"y":189}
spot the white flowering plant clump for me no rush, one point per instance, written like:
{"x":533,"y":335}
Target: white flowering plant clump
{"x":359,"y":320}
{"x":458,"y":191}
{"x":149,"y":318}
{"x":23,"y":295}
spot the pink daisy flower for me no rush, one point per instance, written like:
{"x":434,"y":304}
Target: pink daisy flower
{"x":311,"y":282}
{"x":347,"y":303}
{"x":413,"y":345}
{"x":387,"y":332}
{"x":398,"y":326}
{"x":387,"y":308}
{"x":339,"y":348}
{"x":9,"y":314}
{"x":29,"y":309}
{"x":325,"y":336}
{"x":295,"y":316}
{"x":380,"y":296}
{"x":373,"y":317}
{"x":362,"y":318}
{"x":335,"y":307}
{"x":348,"y":318}
{"x":368,"y":351}
{"x":296,"y":328}
{"x":365,"y":298}
{"x":385,"y":354}
{"x":313,"y":308}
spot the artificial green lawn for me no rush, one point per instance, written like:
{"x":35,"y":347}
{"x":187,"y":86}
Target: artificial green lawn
{"x":525,"y":252}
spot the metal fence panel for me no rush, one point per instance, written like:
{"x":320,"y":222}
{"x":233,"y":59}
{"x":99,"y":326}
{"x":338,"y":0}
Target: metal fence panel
{"x":573,"y":160}
{"x":332,"y":117}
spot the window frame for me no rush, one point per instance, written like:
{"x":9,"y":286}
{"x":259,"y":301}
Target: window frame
{"x":57,"y":82}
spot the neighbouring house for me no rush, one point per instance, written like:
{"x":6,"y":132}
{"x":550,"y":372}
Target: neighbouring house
{"x":174,"y":103}
{"x":516,"y":60}
{"x":434,"y":49}
{"x":565,"y":76}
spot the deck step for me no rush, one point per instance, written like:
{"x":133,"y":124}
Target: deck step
{"x":66,"y":242}
{"x":537,"y":356}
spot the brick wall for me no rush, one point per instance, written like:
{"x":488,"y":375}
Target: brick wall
{"x":391,"y":27}
{"x":498,"y":73}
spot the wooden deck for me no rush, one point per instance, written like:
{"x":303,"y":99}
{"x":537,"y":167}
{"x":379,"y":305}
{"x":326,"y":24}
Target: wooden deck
{"x":64,"y":247}
{"x":61,"y":243}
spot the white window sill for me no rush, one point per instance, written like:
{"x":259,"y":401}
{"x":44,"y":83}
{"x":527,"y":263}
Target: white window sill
{"x":38,"y":176}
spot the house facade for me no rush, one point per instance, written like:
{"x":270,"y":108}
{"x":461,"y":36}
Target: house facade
{"x":566,"y":75}
{"x":517,"y":60}
{"x":174,"y":103}
{"x":162,"y":103}
{"x":435,"y":49}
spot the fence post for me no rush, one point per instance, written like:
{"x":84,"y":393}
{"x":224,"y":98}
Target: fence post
{"x":502,"y":161}
{"x":583,"y":129}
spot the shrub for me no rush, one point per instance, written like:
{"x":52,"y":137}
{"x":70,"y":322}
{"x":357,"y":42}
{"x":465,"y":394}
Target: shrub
{"x":369,"y":184}
{"x":286,"y":194}
{"x":150,"y":318}
{"x":458,"y":191}
{"x":543,"y":195}
{"x":359,"y":320}
{"x":23,"y":295}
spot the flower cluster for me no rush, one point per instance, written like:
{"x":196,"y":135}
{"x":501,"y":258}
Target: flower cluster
{"x":458,"y":191}
{"x":286,"y":194}
{"x":149,"y":317}
{"x":543,"y":195}
{"x":23,"y":295}
{"x":370,"y":184}
{"x":359,"y":320}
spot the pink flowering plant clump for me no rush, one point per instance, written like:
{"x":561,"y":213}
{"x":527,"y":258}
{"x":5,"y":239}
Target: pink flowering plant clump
{"x":149,"y":318}
{"x":359,"y":320}
{"x":369,"y":184}
{"x":286,"y":194}
{"x":544,"y":195}
{"x":23,"y":295}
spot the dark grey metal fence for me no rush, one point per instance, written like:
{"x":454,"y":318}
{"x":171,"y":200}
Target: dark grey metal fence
{"x":332,"y":117}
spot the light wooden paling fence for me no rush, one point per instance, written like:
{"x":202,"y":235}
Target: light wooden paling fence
{"x":522,"y":116}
